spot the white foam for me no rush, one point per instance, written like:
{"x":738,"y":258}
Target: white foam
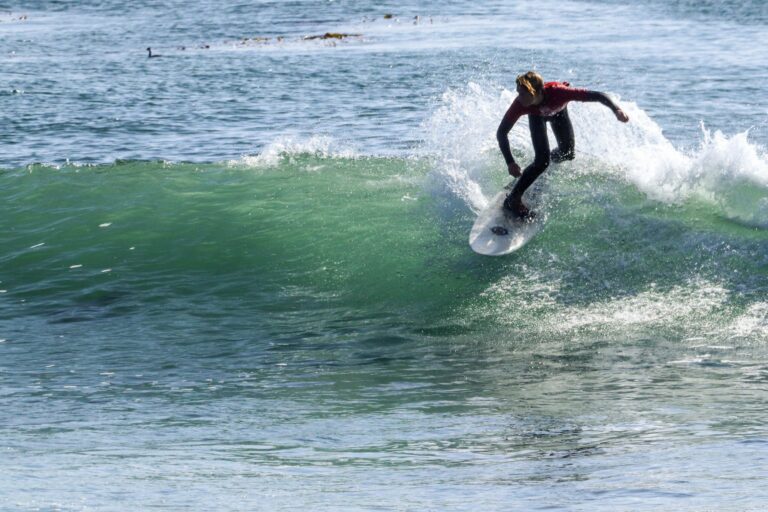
{"x":286,"y":147}
{"x":729,"y":172}
{"x":716,"y":171}
{"x":692,"y":303}
{"x":461,"y":135}
{"x":696,"y":299}
{"x":703,"y":308}
{"x":753,"y":323}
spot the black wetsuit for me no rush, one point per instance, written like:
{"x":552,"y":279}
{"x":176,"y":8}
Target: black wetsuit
{"x":552,"y":110}
{"x":563,"y":130}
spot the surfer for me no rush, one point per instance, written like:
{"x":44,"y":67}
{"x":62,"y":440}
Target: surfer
{"x":543,"y":103}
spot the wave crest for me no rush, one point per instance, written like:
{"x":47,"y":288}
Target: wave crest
{"x":286,"y":147}
{"x":729,"y":173}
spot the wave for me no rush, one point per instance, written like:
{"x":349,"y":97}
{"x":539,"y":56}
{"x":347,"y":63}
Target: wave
{"x":634,"y":241}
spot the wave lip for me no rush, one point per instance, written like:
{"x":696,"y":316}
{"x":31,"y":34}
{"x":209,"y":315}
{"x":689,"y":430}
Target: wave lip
{"x":285,"y":147}
{"x":727,"y":173}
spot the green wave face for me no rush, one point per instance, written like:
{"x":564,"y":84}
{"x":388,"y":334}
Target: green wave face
{"x":347,"y":231}
{"x":311,"y":238}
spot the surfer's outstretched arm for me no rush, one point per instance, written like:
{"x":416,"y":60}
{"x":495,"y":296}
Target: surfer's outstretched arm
{"x":608,"y":102}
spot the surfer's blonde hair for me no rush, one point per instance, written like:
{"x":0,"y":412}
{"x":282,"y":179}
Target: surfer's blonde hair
{"x":531,"y":82}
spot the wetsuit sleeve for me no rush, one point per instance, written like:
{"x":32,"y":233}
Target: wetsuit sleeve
{"x":510,"y":118}
{"x":573,"y":94}
{"x":587,"y":95}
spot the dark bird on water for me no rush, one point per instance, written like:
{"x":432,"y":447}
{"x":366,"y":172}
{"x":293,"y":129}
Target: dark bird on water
{"x":149,"y":50}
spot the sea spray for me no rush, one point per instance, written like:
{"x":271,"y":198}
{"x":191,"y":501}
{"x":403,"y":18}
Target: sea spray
{"x":728,"y":172}
{"x":460,"y":134}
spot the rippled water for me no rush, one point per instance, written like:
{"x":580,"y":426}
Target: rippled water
{"x":236,"y":277}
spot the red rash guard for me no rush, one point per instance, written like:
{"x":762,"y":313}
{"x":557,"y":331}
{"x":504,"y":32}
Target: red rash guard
{"x":556,"y":97}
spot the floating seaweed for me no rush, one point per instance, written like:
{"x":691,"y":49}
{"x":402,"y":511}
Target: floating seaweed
{"x":22,"y":17}
{"x":417,"y":19}
{"x":330,"y":39}
{"x":332,"y":35}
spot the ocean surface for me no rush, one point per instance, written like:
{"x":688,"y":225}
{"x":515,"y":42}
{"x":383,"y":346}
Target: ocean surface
{"x":237,"y":277}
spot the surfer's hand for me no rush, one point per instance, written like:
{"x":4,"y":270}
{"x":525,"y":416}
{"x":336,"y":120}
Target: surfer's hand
{"x":514,"y":169}
{"x":621,"y":115}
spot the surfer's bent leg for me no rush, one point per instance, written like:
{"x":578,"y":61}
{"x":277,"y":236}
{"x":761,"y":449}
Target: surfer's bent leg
{"x":566,"y":146}
{"x":540,"y":162}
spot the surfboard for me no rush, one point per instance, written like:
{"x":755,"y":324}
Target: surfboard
{"x":495,"y":233}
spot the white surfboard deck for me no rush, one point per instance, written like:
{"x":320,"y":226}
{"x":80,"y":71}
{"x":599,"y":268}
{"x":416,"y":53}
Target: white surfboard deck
{"x":497,"y":234}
